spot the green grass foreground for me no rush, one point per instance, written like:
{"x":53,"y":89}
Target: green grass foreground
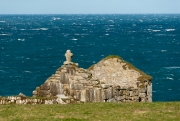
{"x":157,"y":111}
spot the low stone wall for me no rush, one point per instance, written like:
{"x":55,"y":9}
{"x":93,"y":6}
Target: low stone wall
{"x":25,"y":100}
{"x":109,"y":93}
{"x":96,"y":92}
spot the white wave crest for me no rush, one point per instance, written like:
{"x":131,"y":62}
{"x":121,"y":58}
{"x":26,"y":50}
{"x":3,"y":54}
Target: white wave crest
{"x":173,"y":67}
{"x":54,"y":18}
{"x":74,"y":39}
{"x":21,"y":39}
{"x":163,"y":50}
{"x":170,"y":30}
{"x":4,"y":34}
{"x":44,"y":28}
{"x":27,"y":71}
{"x":169,"y":78}
{"x":156,"y":30}
{"x":40,"y":29}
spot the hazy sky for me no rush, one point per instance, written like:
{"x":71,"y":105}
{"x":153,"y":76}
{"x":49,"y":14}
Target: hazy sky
{"x":88,"y":6}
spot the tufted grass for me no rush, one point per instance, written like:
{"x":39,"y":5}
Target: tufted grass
{"x":157,"y":111}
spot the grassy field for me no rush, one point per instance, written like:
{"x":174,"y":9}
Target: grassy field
{"x":158,"y":111}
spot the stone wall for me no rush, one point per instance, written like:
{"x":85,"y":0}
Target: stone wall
{"x":110,"y":80}
{"x":28,"y":100}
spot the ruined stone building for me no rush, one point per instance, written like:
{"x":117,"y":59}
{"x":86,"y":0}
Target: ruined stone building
{"x":110,"y":80}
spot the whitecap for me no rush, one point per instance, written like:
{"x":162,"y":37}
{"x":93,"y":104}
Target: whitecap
{"x":106,"y":34}
{"x":34,"y":29}
{"x":21,"y":39}
{"x":169,"y":78}
{"x":2,"y":21}
{"x":111,"y":21}
{"x":156,"y":30}
{"x":160,"y":34}
{"x":44,"y":28}
{"x":74,"y":39}
{"x":172,"y":74}
{"x":56,"y":18}
{"x":173,"y":67}
{"x":163,"y":50}
{"x":28,"y":71}
{"x":76,"y":34}
{"x":169,"y":89}
{"x":170,"y":30}
{"x":4,"y":34}
{"x":140,"y":20}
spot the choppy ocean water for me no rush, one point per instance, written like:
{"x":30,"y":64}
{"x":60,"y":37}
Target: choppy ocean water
{"x":32,"y":47}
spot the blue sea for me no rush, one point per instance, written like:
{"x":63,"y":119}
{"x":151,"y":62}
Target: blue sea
{"x":32,"y":47}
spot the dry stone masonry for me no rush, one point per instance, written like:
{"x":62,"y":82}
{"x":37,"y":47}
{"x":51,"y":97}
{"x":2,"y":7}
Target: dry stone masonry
{"x":110,"y":80}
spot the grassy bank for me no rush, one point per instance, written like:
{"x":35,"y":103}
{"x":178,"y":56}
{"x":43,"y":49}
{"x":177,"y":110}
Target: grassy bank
{"x":158,"y":111}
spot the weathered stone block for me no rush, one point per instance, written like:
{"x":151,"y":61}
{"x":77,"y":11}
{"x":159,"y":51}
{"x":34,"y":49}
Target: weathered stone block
{"x":143,"y":90}
{"x":64,"y":78}
{"x":128,"y":93}
{"x":142,"y":95}
{"x":97,"y":95}
{"x":78,"y":95}
{"x":120,"y":97}
{"x":110,"y":93}
{"x":131,"y":93}
{"x":84,"y":75}
{"x":83,"y":95}
{"x":143,"y":99}
{"x":149,"y":99}
{"x":105,"y":86}
{"x":136,"y":92}
{"x":35,"y":92}
{"x":91,"y":95}
{"x":45,"y":86}
{"x":56,"y":88}
{"x":43,"y":93}
{"x":124,"y":92}
{"x":87,"y":95}
{"x":121,"y":93}
{"x":149,"y":89}
{"x":77,"y":86}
